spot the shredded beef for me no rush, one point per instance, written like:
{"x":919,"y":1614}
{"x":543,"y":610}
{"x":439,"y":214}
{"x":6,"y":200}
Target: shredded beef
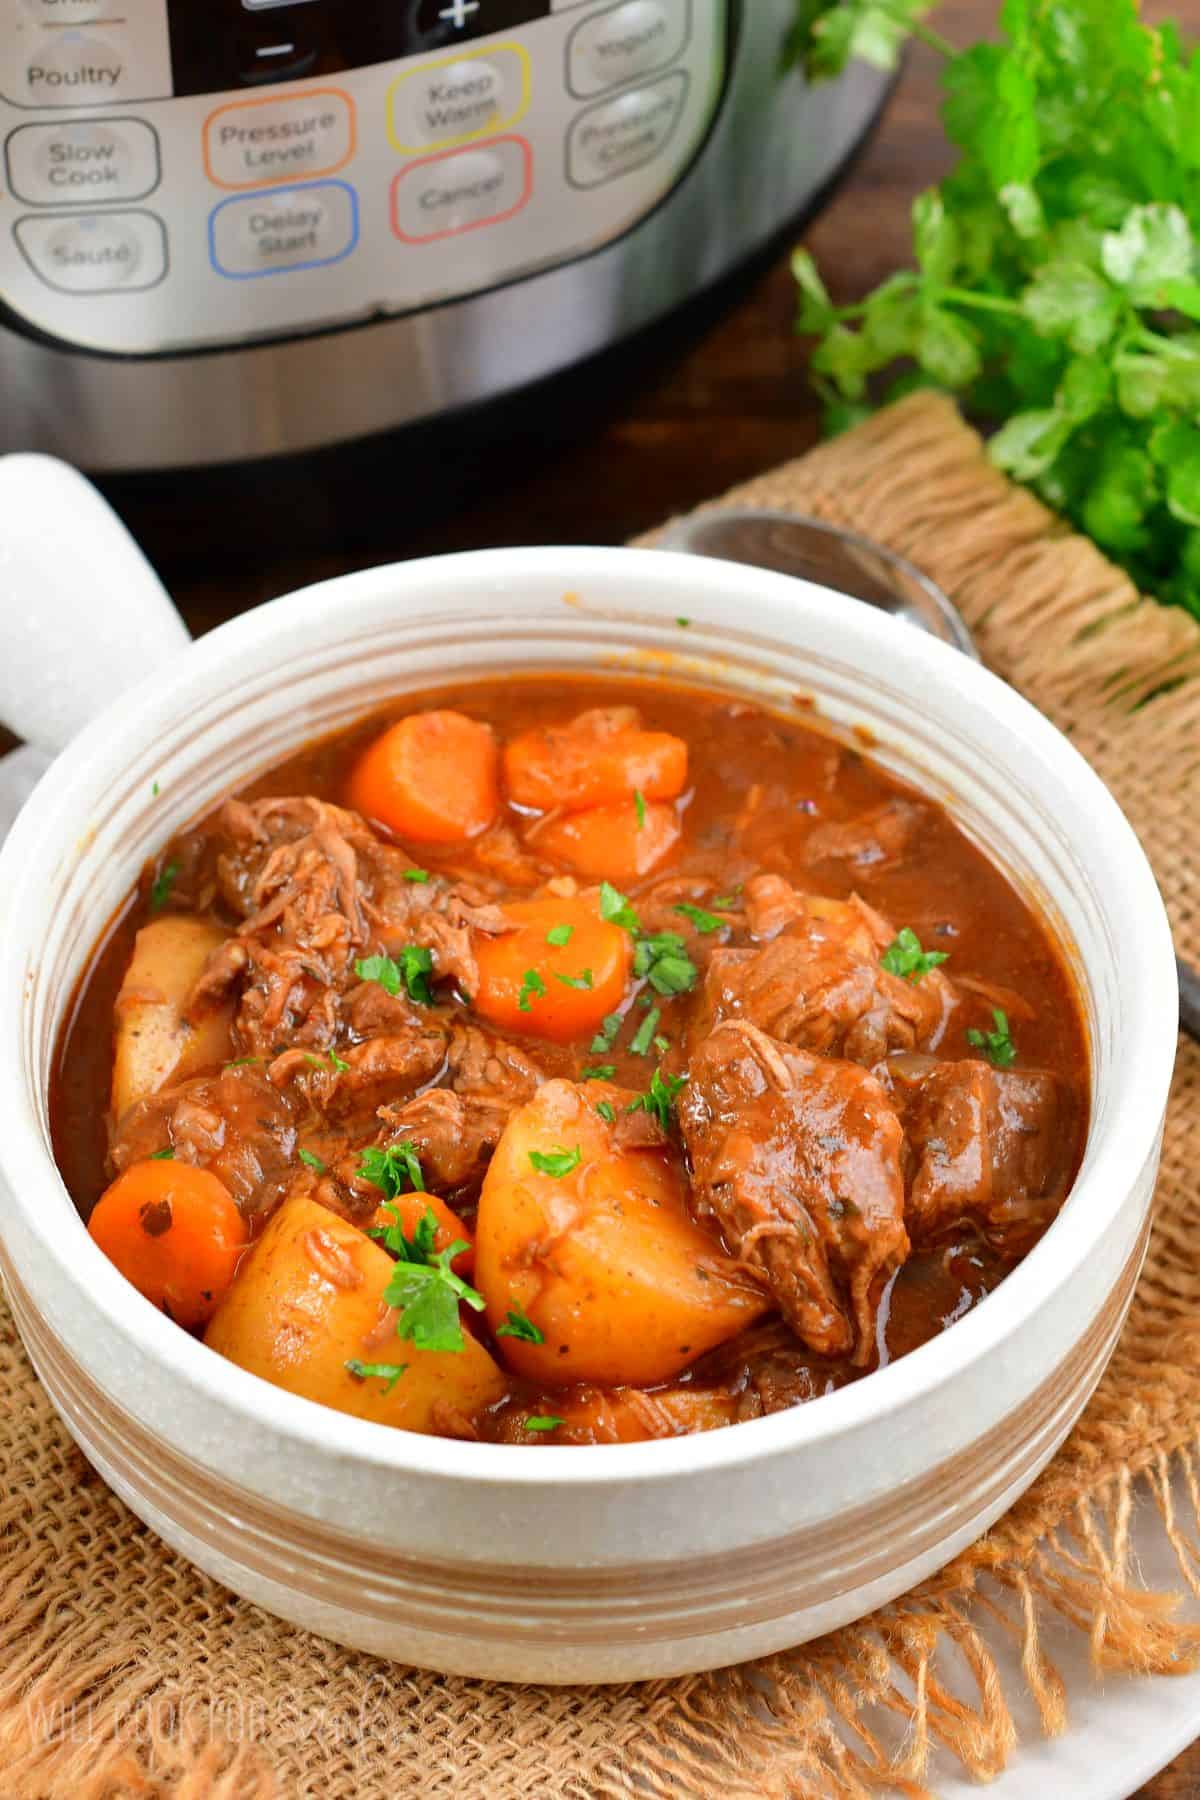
{"x":876,"y":840}
{"x":234,"y":1123}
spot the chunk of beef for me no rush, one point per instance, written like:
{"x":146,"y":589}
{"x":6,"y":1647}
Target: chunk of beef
{"x":767,"y":1371}
{"x":455,"y":1129}
{"x":818,"y":983}
{"x":980,"y":1143}
{"x":876,"y":840}
{"x":380,"y":1072}
{"x":236,"y":1123}
{"x":797,"y":1159}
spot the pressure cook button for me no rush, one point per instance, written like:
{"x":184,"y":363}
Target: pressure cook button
{"x":94,"y":253}
{"x":624,"y":133}
{"x":283,"y":229}
{"x":468,"y":96}
{"x":84,"y":159}
{"x":443,"y":195}
{"x":626,"y":41}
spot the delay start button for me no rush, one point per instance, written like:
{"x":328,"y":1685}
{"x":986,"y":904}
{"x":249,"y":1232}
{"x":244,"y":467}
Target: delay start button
{"x":94,"y":253}
{"x":634,"y":38}
{"x":283,"y":229}
{"x":624,"y":133}
{"x":82,"y":159}
{"x":441,"y":196}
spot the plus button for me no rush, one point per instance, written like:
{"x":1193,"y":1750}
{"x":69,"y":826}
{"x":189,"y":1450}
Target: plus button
{"x":458,"y":12}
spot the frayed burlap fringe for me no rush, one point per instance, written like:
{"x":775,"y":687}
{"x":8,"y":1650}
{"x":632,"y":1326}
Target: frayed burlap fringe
{"x":125,"y":1673}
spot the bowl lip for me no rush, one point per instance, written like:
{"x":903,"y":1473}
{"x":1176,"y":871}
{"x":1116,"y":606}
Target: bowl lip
{"x":1145,"y":1057}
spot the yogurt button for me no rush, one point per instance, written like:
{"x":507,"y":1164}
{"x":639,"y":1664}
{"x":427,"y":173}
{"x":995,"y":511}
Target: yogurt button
{"x":624,"y":133}
{"x":629,"y":40}
{"x":95,"y":253}
{"x":86,"y":159}
{"x":279,"y":229}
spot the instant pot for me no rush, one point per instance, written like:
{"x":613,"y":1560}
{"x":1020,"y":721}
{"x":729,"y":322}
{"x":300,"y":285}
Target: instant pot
{"x":239,"y":228}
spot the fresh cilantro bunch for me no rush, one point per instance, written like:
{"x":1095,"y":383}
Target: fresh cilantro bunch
{"x":1057,"y":286}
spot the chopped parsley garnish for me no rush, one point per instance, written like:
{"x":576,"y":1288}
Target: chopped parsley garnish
{"x":725,"y":901}
{"x":662,"y":1044}
{"x":659,"y":1100}
{"x":164,"y":881}
{"x":332,"y":1058}
{"x":600,"y":1072}
{"x":996,"y":1045}
{"x":396,"y":1170}
{"x":605,"y":1109}
{"x":421,"y":875}
{"x":418,"y":1248}
{"x":519,"y":1325}
{"x":616,"y":909}
{"x":558,"y":935}
{"x":583,"y":982}
{"x":639,"y":803}
{"x":412,"y":971}
{"x":606,"y":1037}
{"x":167,"y":1155}
{"x":556,"y":1162}
{"x":313,"y":1161}
{"x":662,"y":959}
{"x":243,"y":1062}
{"x":645,"y":1033}
{"x":155,"y":790}
{"x":703,"y":921}
{"x":424,"y":1288}
{"x":532,"y":985}
{"x":904,"y":956}
{"x":388,"y":1372}
{"x":543,"y":1422}
{"x":682,"y":621}
{"x":337,"y":1063}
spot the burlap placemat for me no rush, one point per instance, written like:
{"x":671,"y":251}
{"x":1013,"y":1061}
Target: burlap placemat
{"x":123,"y":1672}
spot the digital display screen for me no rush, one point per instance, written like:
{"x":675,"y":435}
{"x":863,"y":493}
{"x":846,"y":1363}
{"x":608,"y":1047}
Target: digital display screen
{"x":230,"y":44}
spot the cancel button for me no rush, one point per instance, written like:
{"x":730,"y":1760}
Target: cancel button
{"x":443,"y":195}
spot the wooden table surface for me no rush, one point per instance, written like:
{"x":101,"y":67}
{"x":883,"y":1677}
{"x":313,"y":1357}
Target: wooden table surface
{"x":706,"y":402}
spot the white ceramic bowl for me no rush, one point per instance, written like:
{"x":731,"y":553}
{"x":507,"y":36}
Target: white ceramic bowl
{"x":616,"y":1562}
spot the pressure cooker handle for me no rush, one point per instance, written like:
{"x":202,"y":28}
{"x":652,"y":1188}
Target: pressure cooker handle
{"x":83,"y":615}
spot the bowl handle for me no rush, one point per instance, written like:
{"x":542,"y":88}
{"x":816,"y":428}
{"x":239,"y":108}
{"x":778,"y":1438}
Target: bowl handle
{"x":83,"y":615}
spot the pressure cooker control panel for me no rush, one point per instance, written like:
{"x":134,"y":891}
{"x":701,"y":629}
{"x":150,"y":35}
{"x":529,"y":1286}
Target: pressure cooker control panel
{"x":191,"y":173}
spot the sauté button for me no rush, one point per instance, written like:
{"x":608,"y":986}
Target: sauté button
{"x":282,"y":139}
{"x":472,"y":95}
{"x":625,"y":132}
{"x":84,"y":159}
{"x":632,"y":39}
{"x":94,"y":253}
{"x":443,"y":195}
{"x":283,"y":229}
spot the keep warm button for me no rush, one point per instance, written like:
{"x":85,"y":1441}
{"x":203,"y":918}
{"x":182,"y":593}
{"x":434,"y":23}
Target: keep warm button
{"x":283,"y":229}
{"x":622,"y":134}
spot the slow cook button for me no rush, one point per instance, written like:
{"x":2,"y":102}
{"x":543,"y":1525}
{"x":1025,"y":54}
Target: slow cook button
{"x":94,"y":253}
{"x":468,"y":96}
{"x":629,"y":40}
{"x":254,"y":141}
{"x":443,"y":195}
{"x":84,"y":159}
{"x":622,"y":134}
{"x":283,"y":229}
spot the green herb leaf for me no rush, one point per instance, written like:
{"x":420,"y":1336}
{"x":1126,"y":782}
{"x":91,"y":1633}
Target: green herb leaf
{"x":559,"y":935}
{"x":337,"y":1063}
{"x":683,"y":622}
{"x":997,"y":1045}
{"x":164,"y":881}
{"x":531,"y":987}
{"x":663,"y":960}
{"x":386,"y":1372}
{"x":418,"y":875}
{"x":313,"y":1161}
{"x":904,"y":956}
{"x":167,"y":1155}
{"x":616,"y":909}
{"x":583,"y":982}
{"x":518,"y":1325}
{"x":606,"y":1111}
{"x":396,"y":1170}
{"x":542,"y":1422}
{"x":425,"y":1290}
{"x":639,"y":802}
{"x":645,"y":1033}
{"x":608,"y":1033}
{"x":659,"y":1100}
{"x":600,"y":1072}
{"x":703,"y":921}
{"x":411,"y":971}
{"x":556,"y":1162}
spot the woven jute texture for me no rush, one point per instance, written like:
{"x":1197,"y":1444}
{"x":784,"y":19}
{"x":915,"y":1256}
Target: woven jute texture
{"x":123,"y":1672}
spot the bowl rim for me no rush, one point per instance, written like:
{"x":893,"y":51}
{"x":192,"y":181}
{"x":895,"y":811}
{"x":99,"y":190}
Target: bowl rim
{"x":1142,"y":1068}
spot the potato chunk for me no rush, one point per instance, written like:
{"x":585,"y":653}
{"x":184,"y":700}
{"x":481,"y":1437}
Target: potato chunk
{"x":155,"y":1042}
{"x":603,"y":1258}
{"x":309,"y":1299}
